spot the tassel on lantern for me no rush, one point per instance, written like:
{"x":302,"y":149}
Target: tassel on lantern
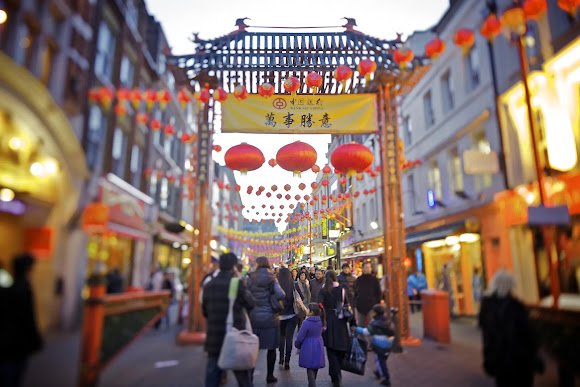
{"x":135,"y":98}
{"x":150,"y":99}
{"x":366,"y":67}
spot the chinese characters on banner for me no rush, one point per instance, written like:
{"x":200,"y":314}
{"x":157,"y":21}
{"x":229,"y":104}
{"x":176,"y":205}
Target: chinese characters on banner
{"x":300,"y":114}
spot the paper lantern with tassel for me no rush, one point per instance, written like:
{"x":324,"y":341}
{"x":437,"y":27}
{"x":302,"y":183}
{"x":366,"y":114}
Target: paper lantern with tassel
{"x":220,"y":95}
{"x":434,"y":48}
{"x":314,"y":81}
{"x":266,"y":90}
{"x":183,"y":97}
{"x":403,"y":57}
{"x":464,"y":38}
{"x":366,"y":67}
{"x":570,"y":6}
{"x":491,"y":27}
{"x":136,"y":98}
{"x":291,"y":85}
{"x":342,"y":74}
{"x":164,"y":97}
{"x":240,"y":92}
{"x":244,"y":158}
{"x":534,"y":9}
{"x":352,"y":158}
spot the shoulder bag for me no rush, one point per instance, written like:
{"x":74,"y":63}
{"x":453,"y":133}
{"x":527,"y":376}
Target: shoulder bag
{"x":240,"y":347}
{"x":299,"y":308}
{"x":276,"y":304}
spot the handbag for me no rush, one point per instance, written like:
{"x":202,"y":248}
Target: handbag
{"x":299,"y":308}
{"x":344,"y":312}
{"x":276,"y":304}
{"x":240,"y":347}
{"x":356,"y":357}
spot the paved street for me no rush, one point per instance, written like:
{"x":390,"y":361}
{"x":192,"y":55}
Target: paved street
{"x":431,"y":364}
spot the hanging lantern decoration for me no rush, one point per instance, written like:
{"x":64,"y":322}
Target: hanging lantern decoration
{"x":403,"y":57}
{"x":186,"y":138}
{"x":342,"y":74}
{"x":93,"y":95}
{"x":204,"y":96}
{"x":315,"y":168}
{"x":105,"y":97}
{"x":184,"y":97}
{"x":570,"y":6}
{"x":434,"y":48}
{"x":287,"y":187}
{"x":464,"y":38}
{"x":155,"y":125}
{"x":343,"y":180}
{"x":268,"y":194}
{"x":217,"y":148}
{"x":237,"y":188}
{"x":301,"y":186}
{"x":491,"y":27}
{"x":141,"y":119}
{"x":366,"y":67}
{"x":169,"y":130}
{"x":274,"y":188}
{"x":296,"y":157}
{"x":249,"y":189}
{"x":314,"y":81}
{"x":287,"y":197}
{"x":123,"y":94}
{"x":240,"y":92}
{"x":150,"y":97}
{"x":272,"y":163}
{"x":266,"y":90}
{"x":324,"y":182}
{"x":359,"y":177}
{"x":297,"y":197}
{"x":120,"y":110}
{"x":136,"y":98}
{"x":244,"y":158}
{"x":314,"y":185}
{"x":279,"y":196}
{"x":291,"y":85}
{"x":326,"y":170}
{"x":356,"y":194}
{"x":514,"y":20}
{"x":220,"y":95}
{"x":352,"y":158}
{"x":164,"y":98}
{"x":534,"y":9}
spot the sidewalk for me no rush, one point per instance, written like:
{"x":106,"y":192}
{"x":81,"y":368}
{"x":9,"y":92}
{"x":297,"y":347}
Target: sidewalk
{"x":432,"y":364}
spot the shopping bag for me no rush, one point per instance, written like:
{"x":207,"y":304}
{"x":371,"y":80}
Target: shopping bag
{"x":356,"y":357}
{"x":240,"y":347}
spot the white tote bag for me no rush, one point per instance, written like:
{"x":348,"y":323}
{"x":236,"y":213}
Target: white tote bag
{"x":240,"y":347}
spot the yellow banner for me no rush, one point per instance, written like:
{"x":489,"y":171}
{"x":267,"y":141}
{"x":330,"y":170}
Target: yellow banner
{"x":336,"y":114}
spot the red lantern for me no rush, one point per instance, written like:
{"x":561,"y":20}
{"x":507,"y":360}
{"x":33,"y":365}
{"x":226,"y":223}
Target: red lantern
{"x":287,"y":197}
{"x":274,"y":188}
{"x":464,"y":38}
{"x":261,"y":188}
{"x":266,"y":90}
{"x":315,"y":168}
{"x":434,"y":48}
{"x":314,"y":81}
{"x":296,"y":157}
{"x":217,"y":148}
{"x":301,"y":186}
{"x":136,"y":98}
{"x":220,"y":95}
{"x":324,"y":183}
{"x":268,"y":194}
{"x":287,"y":187}
{"x":297,"y":197}
{"x":123,"y":94}
{"x":169,"y":130}
{"x":204,"y":96}
{"x":120,"y":110}
{"x":352,"y":158}
{"x":141,"y":119}
{"x":272,"y":163}
{"x":105,"y":97}
{"x":291,"y":85}
{"x":93,"y":95}
{"x":155,"y":125}
{"x":314,"y":185}
{"x":491,"y":27}
{"x":343,"y":180}
{"x":237,"y":188}
{"x":186,"y":138}
{"x":534,"y":9}
{"x":279,"y":196}
{"x":403,"y":57}
{"x":240,"y":92}
{"x":570,"y":6}
{"x":150,"y":98}
{"x":249,"y":189}
{"x":356,"y":194}
{"x":164,"y":98}
{"x":366,"y":67}
{"x":326,"y":170}
{"x":183,"y":97}
{"x":244,"y":158}
{"x":342,"y":74}
{"x":306,"y":197}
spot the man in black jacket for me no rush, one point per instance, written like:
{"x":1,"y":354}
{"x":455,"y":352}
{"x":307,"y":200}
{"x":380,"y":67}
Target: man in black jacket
{"x":215,"y":307}
{"x":346,"y":279}
{"x":367,"y":293}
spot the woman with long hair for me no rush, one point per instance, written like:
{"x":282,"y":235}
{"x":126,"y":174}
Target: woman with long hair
{"x":288,"y":317}
{"x":265,"y":321}
{"x":336,"y":337}
{"x":294,"y":274}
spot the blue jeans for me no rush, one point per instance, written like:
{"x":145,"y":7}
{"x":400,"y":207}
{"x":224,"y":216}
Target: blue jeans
{"x":381,"y":363}
{"x":213,"y":374}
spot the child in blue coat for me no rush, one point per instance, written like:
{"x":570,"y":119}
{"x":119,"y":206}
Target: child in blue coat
{"x":382,"y":330}
{"x":309,"y":341}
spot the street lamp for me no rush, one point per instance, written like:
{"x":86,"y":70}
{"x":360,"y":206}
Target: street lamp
{"x":374,"y":225}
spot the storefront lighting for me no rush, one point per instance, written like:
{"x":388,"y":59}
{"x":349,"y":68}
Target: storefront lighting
{"x":452,"y":240}
{"x":468,"y":238}
{"x":213,"y":244}
{"x":176,"y":245}
{"x":186,"y":261}
{"x":456,"y":247}
{"x":15,"y":143}
{"x":434,"y":244}
{"x":6,"y":195}
{"x":189,"y":227}
{"x":184,"y":247}
{"x":50,"y":166}
{"x":196,"y":231}
{"x":37,"y":169}
{"x":3,"y":16}
{"x":374,"y":225}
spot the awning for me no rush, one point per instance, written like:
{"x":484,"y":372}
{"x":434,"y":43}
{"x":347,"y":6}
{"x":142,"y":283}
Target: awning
{"x":434,"y":233}
{"x":128,"y":232}
{"x":365,"y":254}
{"x":171,"y":237}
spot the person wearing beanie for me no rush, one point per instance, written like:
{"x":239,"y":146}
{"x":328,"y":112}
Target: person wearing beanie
{"x":215,"y":305}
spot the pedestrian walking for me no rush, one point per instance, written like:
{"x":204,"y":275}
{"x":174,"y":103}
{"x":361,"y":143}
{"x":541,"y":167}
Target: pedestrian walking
{"x":347,"y":280}
{"x":288,"y":316}
{"x":510,"y":349}
{"x":265,"y":320}
{"x":316,"y":285}
{"x":367,"y":289}
{"x":312,"y":273}
{"x":382,"y":332}
{"x":336,"y":336}
{"x":294,"y":275}
{"x":309,"y":342}
{"x":412,"y":291}
{"x":304,"y":286}
{"x":114,"y":281}
{"x":215,"y":305}
{"x":19,"y":335}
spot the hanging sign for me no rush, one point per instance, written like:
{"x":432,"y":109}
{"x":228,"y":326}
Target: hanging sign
{"x":338,"y":114}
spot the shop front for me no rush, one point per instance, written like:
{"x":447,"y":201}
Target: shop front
{"x":360,"y":252}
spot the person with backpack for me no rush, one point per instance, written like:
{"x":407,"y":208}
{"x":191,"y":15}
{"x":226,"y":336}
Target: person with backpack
{"x":309,"y":342}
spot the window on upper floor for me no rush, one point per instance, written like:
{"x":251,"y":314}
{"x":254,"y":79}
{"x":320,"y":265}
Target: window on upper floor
{"x":407,"y":130}
{"x":411,"y":193}
{"x":455,"y":171}
{"x":119,"y":153}
{"x":24,"y":45}
{"x":435,"y":179}
{"x":153,"y":186}
{"x":482,"y":144}
{"x":95,"y":135}
{"x":136,"y":165}
{"x":132,"y":14}
{"x":105,"y":56}
{"x":428,"y":110}
{"x":447,"y":91}
{"x":164,"y":193}
{"x":473,"y":68}
{"x":127,"y":72}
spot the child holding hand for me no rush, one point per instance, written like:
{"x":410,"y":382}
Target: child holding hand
{"x":309,"y":341}
{"x":382,"y":332}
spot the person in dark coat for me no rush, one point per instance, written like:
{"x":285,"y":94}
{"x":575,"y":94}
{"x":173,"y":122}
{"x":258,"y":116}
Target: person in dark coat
{"x":215,"y":306}
{"x":309,"y":341}
{"x":265,"y":321}
{"x":288,"y":316}
{"x":316,"y":285}
{"x":347,"y":280}
{"x":19,"y":335}
{"x":510,"y":350}
{"x":336,"y":337}
{"x":114,"y":281}
{"x":367,"y":293}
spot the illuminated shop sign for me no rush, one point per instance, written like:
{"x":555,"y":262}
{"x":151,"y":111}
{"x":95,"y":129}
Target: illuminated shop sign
{"x":14,"y":207}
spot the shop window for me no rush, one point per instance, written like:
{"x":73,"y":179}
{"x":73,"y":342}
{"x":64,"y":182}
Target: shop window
{"x":407,"y":131}
{"x":428,"y":110}
{"x":136,"y":166}
{"x":96,"y":129}
{"x":435,"y":180}
{"x":105,"y":56}
{"x":456,"y":171}
{"x":153,"y":186}
{"x":164,"y":194}
{"x":411,"y":192}
{"x":127,"y":72}
{"x":119,"y":152}
{"x":473,"y":68}
{"x":482,"y":144}
{"x":447,"y":91}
